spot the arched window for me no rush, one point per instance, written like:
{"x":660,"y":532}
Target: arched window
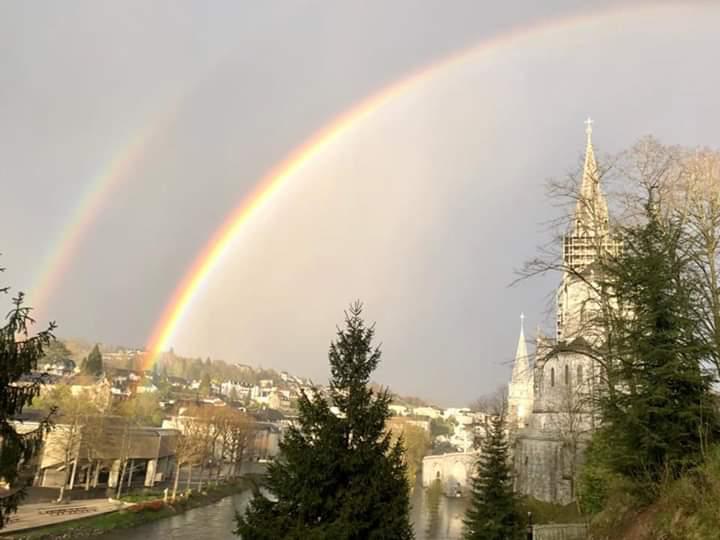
{"x":567,"y":374}
{"x":552,"y":376}
{"x":579,"y":375}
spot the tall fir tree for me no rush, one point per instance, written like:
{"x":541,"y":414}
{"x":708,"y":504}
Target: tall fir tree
{"x":338,"y":477}
{"x":659,"y":412}
{"x":205,"y":385}
{"x":493,"y":513}
{"x":19,"y":355}
{"x":93,"y":365}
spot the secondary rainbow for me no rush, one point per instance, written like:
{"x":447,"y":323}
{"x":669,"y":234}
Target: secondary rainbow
{"x":114,"y":172}
{"x":278,"y":176}
{"x":59,"y":258}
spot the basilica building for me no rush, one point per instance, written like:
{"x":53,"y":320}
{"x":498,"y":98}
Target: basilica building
{"x":550,"y":394}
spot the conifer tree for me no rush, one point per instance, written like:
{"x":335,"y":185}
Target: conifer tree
{"x":493,"y":512}
{"x":659,"y":412}
{"x":93,"y":365}
{"x":19,"y":355}
{"x":338,"y":477}
{"x":205,"y":385}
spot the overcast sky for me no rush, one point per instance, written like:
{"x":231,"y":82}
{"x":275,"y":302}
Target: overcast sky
{"x":423,"y":210}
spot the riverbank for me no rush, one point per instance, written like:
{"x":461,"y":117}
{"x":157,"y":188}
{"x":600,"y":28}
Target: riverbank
{"x":147,"y":510}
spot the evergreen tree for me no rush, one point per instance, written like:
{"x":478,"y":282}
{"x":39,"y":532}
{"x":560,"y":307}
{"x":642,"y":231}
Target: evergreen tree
{"x":57,"y":353}
{"x":339,"y":476}
{"x":205,"y":385}
{"x":493,"y":513}
{"x":155,"y":377}
{"x":93,"y":365}
{"x":659,"y":412}
{"x":19,"y":355}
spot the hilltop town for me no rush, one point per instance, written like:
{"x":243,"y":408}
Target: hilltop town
{"x":177,"y":391}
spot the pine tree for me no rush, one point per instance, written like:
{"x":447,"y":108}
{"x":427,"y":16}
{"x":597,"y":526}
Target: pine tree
{"x":19,"y":355}
{"x":339,"y":476}
{"x":660,"y":412}
{"x":205,"y":385}
{"x":493,"y":512}
{"x":93,"y":365}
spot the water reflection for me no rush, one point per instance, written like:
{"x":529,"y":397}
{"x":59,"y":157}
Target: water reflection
{"x":435,"y":517}
{"x":432,"y":496}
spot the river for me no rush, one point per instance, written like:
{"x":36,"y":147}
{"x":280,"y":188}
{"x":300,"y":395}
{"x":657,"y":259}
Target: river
{"x":435,"y":517}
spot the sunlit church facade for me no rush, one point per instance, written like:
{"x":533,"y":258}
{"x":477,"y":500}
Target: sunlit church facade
{"x":549,"y":396}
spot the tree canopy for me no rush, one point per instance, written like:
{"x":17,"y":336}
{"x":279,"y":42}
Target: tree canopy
{"x":93,"y":364}
{"x":19,"y":355}
{"x":339,"y":475}
{"x":493,"y":513}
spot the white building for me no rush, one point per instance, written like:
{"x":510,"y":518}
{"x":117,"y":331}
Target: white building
{"x":430,"y":412}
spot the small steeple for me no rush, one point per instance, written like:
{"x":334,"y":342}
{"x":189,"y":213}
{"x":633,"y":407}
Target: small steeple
{"x":521,"y":367}
{"x":591,"y":212}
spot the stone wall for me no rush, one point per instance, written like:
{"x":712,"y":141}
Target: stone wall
{"x":541,"y":468}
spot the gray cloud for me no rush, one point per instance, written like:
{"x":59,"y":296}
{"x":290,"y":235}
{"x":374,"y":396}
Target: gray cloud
{"x":423,"y":211}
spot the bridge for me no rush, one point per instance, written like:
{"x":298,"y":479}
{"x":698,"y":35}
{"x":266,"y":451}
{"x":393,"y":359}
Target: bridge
{"x":453,"y":470}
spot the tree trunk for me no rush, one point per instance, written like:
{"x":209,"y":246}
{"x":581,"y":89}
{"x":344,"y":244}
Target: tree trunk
{"x":177,"y":477}
{"x":88,"y":474}
{"x":130,"y":474}
{"x":66,"y":470}
{"x":122,"y":476}
{"x":96,"y":475}
{"x":189,"y":478}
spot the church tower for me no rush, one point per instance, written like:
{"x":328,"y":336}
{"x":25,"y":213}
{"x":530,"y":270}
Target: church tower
{"x":587,"y":238}
{"x":520,"y":389}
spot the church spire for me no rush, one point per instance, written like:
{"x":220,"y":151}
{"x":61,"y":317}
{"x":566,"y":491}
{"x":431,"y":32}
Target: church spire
{"x":591,"y":214}
{"x":521,"y":367}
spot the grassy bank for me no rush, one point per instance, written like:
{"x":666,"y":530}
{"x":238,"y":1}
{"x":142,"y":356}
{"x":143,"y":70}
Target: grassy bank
{"x":149,"y":508}
{"x":684,"y":509}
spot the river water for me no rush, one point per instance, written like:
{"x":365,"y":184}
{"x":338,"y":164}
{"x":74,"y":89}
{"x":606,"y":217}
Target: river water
{"x":435,"y":517}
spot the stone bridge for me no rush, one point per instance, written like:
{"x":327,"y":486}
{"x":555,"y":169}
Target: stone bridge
{"x":453,"y":470}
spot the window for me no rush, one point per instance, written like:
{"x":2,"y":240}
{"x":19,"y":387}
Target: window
{"x":579,"y":374}
{"x":552,"y":376}
{"x":567,"y":374}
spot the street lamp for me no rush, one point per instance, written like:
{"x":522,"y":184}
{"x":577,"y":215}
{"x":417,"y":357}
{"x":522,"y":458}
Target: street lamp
{"x":529,"y":527}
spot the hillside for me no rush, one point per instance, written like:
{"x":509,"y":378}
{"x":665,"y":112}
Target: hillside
{"x":685,"y":509}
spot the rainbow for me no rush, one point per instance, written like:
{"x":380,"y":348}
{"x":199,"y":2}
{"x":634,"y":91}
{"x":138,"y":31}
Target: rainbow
{"x":276,"y":178}
{"x":58,"y":259}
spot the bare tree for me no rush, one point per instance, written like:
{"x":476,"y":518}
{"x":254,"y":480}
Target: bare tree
{"x":65,"y":442}
{"x":572,"y":423}
{"x":188,"y":449}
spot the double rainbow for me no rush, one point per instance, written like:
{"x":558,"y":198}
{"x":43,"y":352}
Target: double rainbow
{"x":273,"y":182}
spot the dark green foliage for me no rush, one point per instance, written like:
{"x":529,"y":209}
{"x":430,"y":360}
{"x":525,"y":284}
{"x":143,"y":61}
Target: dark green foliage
{"x":658,"y":414}
{"x":19,"y":355}
{"x":205,"y":385}
{"x":56,"y":353}
{"x":93,"y":364}
{"x":439,"y":426}
{"x":339,"y":477}
{"x":493,"y":513}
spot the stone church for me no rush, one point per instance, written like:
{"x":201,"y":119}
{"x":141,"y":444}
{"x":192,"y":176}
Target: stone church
{"x":549,"y":406}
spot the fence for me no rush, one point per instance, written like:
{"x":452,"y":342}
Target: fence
{"x":570,"y":531}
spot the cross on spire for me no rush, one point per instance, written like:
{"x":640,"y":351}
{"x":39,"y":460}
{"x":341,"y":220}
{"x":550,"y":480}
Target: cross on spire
{"x":588,"y":127}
